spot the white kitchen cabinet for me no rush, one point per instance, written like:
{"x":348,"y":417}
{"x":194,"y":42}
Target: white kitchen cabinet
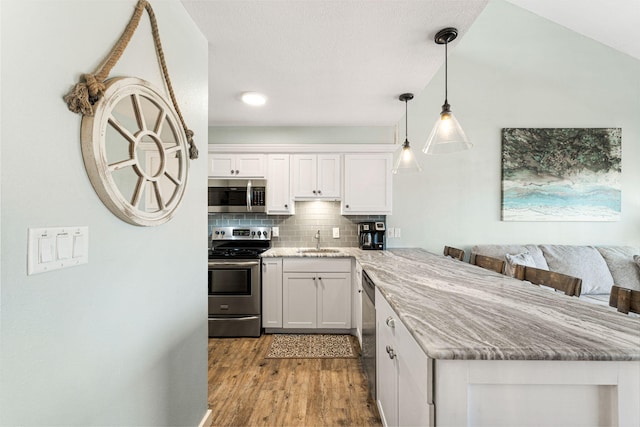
{"x":386,"y":363}
{"x":272,"y":292}
{"x":356,"y":319}
{"x":316,"y":176}
{"x":368,"y":184}
{"x":316,"y":293}
{"x":300,"y":307}
{"x":278,"y":185}
{"x":403,"y":373}
{"x":246,"y":165}
{"x":334,"y":300}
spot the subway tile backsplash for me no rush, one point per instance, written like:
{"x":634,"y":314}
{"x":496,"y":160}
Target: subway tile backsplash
{"x":299,"y":230}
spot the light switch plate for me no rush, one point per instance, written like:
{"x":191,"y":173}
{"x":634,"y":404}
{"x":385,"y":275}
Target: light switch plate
{"x":53,"y":248}
{"x":275,"y":231}
{"x":336,"y":232}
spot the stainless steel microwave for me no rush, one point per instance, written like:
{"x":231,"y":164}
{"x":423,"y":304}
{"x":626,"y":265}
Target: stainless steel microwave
{"x":237,"y":195}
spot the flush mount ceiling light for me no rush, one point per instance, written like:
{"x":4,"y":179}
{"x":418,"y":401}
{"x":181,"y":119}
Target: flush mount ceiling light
{"x":447,"y":135}
{"x":406,"y":161}
{"x":254,"y":98}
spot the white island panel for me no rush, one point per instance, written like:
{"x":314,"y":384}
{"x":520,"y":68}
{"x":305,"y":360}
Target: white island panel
{"x":537,"y":393}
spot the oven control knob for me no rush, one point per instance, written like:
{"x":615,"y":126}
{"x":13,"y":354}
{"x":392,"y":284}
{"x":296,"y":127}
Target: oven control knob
{"x":217,"y":232}
{"x":259,"y":233}
{"x":222,"y":232}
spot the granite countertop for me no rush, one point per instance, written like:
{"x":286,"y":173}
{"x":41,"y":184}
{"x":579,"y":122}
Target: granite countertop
{"x":456,"y":310}
{"x":298,"y":252}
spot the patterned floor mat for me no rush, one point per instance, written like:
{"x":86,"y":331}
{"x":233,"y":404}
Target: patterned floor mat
{"x":294,"y":346}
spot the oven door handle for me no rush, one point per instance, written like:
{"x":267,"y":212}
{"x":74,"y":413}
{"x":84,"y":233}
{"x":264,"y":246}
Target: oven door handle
{"x":249,"y":196}
{"x":234,"y":263}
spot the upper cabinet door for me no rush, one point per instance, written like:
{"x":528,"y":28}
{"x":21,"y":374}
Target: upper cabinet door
{"x":304,"y":175}
{"x":251,"y":165}
{"x":367,"y":184}
{"x":278,"y":188}
{"x":316,"y":176}
{"x":237,"y":165}
{"x":222,"y":165}
{"x":329,"y":176}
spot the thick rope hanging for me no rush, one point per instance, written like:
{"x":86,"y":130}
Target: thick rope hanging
{"x":91,"y":87}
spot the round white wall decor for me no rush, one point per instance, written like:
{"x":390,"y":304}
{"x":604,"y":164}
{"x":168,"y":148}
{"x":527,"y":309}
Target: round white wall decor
{"x":135,"y":152}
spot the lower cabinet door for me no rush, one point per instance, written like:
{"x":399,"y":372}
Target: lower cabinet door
{"x":299,"y":295}
{"x":356,"y":303}
{"x":386,"y":363}
{"x":334,"y":300}
{"x":272,"y":292}
{"x":415,"y":402}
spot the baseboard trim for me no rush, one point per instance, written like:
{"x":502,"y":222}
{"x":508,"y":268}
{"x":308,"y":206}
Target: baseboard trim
{"x":207,"y":420}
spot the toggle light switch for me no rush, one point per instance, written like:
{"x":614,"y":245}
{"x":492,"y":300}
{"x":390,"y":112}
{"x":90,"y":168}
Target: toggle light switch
{"x":45,"y":249}
{"x":63,"y":246}
{"x":53,"y":248}
{"x":79,"y":245}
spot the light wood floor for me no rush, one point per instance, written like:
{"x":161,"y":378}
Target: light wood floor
{"x":245,"y":389}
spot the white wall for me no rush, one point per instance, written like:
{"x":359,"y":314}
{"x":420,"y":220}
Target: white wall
{"x":123,"y":339}
{"x":515,"y":69}
{"x":301,"y":134}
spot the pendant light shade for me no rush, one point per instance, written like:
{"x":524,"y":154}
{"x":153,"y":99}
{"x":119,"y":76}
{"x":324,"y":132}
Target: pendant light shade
{"x":406,"y":161}
{"x":447,"y":135}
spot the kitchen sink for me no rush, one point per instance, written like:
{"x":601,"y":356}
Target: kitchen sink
{"x":319,"y":251}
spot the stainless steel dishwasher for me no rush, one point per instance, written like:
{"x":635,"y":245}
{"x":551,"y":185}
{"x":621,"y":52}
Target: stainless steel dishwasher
{"x":369,"y":332}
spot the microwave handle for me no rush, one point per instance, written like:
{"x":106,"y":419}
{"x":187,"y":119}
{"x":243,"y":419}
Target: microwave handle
{"x":249,"y":196}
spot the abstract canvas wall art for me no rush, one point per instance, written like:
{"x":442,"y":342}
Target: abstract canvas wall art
{"x":561,"y":174}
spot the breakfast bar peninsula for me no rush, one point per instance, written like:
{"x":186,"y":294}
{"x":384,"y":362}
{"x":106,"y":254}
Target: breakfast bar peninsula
{"x":459,"y":345}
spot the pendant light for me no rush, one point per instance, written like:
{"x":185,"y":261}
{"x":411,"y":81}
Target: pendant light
{"x":406,"y":161}
{"x":447,"y":135}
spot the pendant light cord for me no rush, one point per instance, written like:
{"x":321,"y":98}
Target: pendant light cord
{"x":406,"y":121}
{"x":446,"y":74}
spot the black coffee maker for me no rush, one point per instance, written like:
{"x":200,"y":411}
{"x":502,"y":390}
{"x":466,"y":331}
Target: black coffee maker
{"x":371,"y":235}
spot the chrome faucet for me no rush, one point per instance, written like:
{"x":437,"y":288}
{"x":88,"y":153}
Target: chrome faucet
{"x":317,"y":236}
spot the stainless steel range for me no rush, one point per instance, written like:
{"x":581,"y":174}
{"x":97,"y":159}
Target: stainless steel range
{"x":235,"y":282}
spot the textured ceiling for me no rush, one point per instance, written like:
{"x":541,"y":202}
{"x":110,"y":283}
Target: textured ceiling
{"x":323,"y":62}
{"x":344,"y":62}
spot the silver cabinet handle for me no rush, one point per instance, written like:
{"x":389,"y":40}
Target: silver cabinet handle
{"x":391,"y":322}
{"x":391,"y":352}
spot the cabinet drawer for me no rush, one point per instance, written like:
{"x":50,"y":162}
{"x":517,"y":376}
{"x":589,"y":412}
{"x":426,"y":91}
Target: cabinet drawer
{"x":415,"y":371}
{"x":317,"y":265}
